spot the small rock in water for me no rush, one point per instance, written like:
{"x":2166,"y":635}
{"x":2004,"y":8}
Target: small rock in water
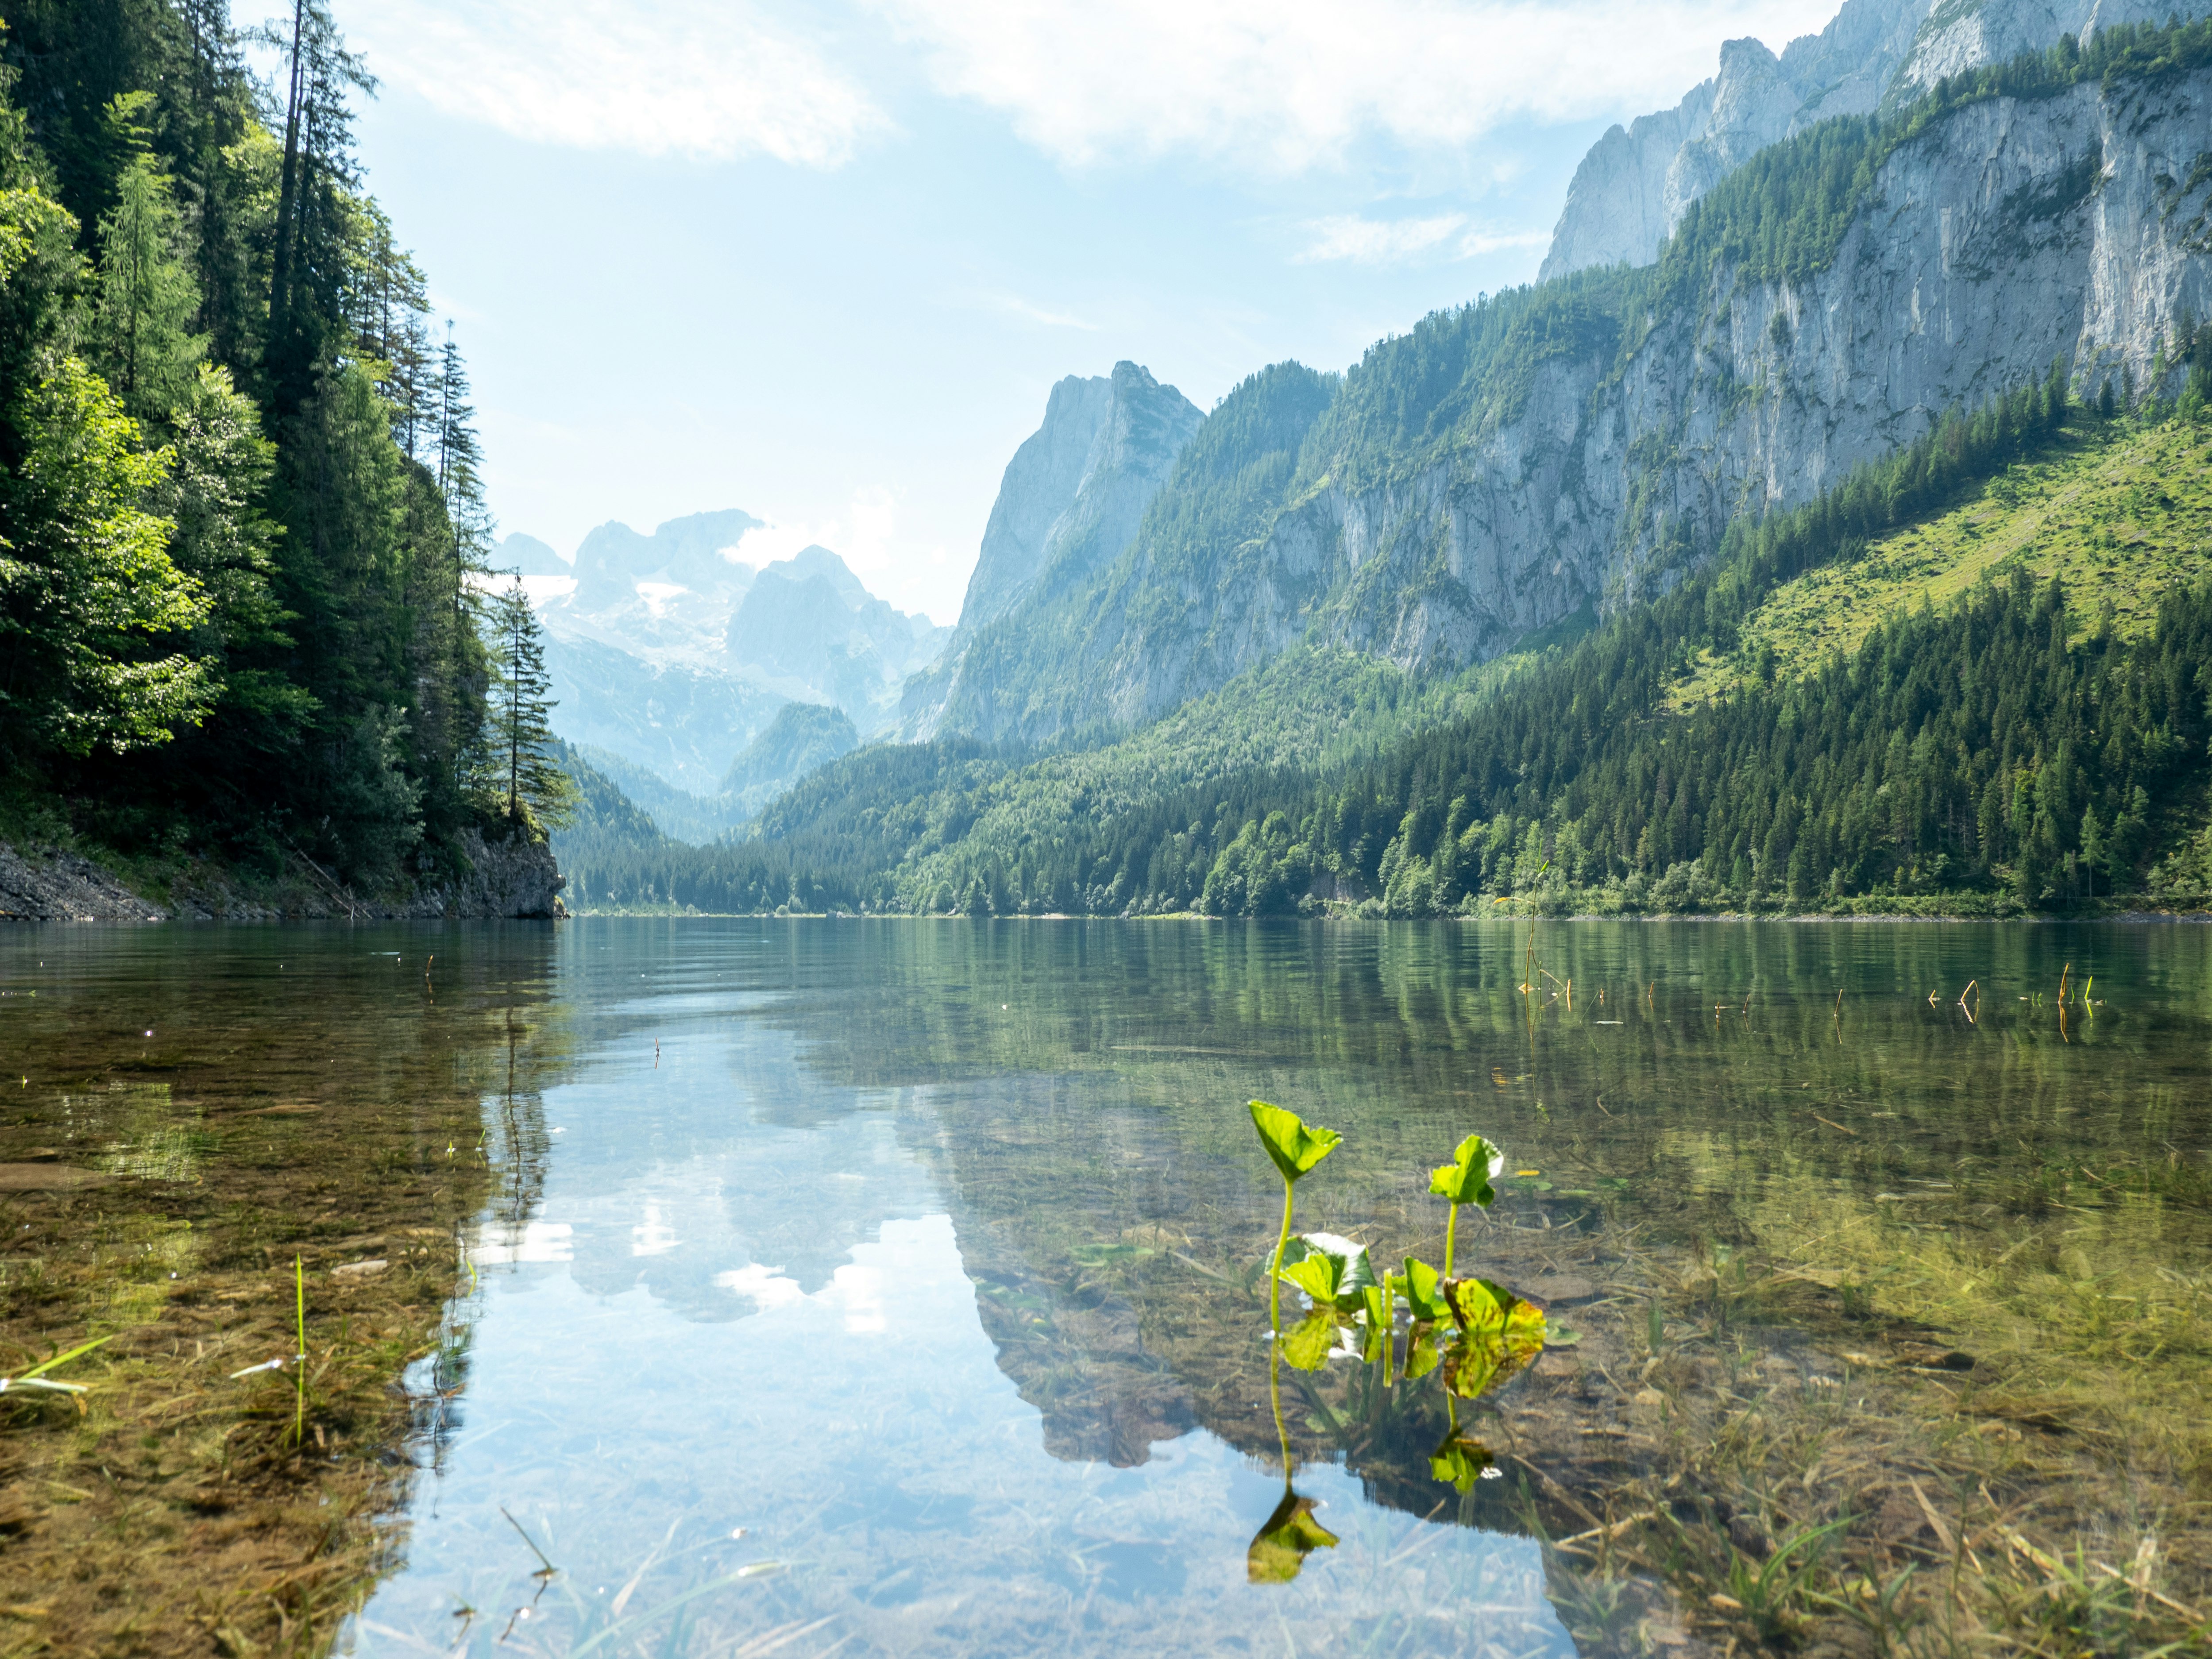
{"x":1748,"y":1536}
{"x":1554,"y":1289}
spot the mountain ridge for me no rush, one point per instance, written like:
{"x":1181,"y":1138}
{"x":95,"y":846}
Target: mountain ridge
{"x":1585,"y":440}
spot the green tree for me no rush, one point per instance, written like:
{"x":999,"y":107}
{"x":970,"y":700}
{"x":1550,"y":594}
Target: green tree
{"x":89,"y":598}
{"x":521,"y":757}
{"x":141,"y":321}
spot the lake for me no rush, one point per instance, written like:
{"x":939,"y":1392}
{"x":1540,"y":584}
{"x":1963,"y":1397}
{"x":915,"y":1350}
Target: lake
{"x":733,"y":1287}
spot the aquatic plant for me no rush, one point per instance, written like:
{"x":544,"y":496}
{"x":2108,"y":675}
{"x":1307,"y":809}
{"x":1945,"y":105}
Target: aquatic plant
{"x":1494,"y":1332}
{"x":1294,"y":1148}
{"x":1466,"y":1180}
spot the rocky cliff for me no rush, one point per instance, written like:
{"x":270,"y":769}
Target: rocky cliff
{"x":1636,"y":182}
{"x":1579,"y":443}
{"x":808,"y":631}
{"x":1069,"y":501}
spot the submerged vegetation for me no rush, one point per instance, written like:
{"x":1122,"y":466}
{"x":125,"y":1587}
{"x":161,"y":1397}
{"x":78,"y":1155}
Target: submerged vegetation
{"x":214,"y":1286}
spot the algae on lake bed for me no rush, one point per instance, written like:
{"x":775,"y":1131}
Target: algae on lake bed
{"x":208,"y":1491}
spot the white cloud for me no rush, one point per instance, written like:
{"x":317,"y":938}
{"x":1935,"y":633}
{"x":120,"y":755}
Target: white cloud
{"x":1374,"y":241}
{"x":1282,"y":85}
{"x":1014,"y":306}
{"x":1478,"y":241}
{"x":685,"y":78}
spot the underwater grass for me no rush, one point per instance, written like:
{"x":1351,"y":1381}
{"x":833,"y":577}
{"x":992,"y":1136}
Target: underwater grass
{"x":218,"y":1484}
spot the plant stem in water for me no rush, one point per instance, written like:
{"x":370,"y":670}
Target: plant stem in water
{"x":1275,"y":1276}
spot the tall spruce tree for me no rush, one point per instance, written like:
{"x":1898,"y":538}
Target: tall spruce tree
{"x":521,"y":756}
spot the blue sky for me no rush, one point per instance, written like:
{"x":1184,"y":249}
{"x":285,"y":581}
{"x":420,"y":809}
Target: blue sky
{"x":823,"y":261}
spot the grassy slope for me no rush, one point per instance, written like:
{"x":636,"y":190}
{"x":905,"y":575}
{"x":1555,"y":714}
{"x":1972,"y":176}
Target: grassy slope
{"x":2121,"y":515}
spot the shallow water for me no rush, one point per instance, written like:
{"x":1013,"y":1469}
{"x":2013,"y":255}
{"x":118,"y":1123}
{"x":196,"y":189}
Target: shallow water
{"x":887,"y":1287}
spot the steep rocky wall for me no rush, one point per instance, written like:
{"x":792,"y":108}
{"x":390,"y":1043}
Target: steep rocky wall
{"x":2010,"y":232}
{"x":1632,"y":188}
{"x":1070,"y":499}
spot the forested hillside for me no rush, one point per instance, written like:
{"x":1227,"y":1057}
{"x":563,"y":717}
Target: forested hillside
{"x":239,"y":480}
{"x":2027,"y":731}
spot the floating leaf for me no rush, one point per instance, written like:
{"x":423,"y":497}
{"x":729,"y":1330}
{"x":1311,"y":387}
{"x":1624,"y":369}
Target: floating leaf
{"x":1334,"y":1272}
{"x":1466,"y":1179}
{"x":1486,"y":1309}
{"x":1473,"y":1365}
{"x":1306,"y":1344}
{"x":1460,"y":1461}
{"x":1421,"y":1287}
{"x":1280,"y":1549}
{"x":1295,"y":1147}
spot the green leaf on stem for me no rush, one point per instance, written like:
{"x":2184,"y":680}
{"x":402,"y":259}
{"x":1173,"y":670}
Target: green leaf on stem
{"x":1466,"y":1179}
{"x":1484,"y":1308}
{"x":1421,"y":1286}
{"x":1294,"y":1146}
{"x":1307,"y":1344}
{"x":1333,"y":1271}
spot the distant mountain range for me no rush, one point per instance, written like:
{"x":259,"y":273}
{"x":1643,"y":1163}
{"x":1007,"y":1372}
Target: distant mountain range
{"x":670,"y":653}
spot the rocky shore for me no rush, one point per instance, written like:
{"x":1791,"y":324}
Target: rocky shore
{"x":515,"y":879}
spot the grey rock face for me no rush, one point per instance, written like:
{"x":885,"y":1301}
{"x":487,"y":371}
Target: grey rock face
{"x":1069,"y":501}
{"x":1634,"y":187}
{"x":52,"y":885}
{"x":808,"y":631}
{"x":2007,"y":234}
{"x":507,"y":880}
{"x":515,"y":879}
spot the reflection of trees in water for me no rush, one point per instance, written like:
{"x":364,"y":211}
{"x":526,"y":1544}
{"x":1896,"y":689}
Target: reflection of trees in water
{"x":526,"y":1046}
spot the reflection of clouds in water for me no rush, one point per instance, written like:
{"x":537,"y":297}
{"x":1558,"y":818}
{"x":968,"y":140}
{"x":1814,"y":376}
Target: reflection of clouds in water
{"x":652,"y":1236}
{"x":856,"y":1287}
{"x":499,"y":1242}
{"x":729,"y":1179}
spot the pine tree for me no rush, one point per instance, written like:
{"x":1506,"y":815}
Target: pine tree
{"x":142,"y":325}
{"x":520,"y":755}
{"x":460,"y":458}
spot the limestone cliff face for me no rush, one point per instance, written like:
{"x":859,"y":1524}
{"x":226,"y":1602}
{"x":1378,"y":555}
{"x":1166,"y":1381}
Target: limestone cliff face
{"x":1632,"y":188}
{"x":1069,"y":501}
{"x":2009,"y":233}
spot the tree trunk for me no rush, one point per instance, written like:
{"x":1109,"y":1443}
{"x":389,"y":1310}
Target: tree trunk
{"x":280,"y":278}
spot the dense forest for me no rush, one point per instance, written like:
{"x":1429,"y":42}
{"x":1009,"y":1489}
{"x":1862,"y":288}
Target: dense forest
{"x":242,"y":530}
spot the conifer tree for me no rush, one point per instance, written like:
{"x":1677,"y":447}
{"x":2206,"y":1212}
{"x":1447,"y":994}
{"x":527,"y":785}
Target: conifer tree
{"x":520,"y":755}
{"x":460,"y":458}
{"x":142,"y":324}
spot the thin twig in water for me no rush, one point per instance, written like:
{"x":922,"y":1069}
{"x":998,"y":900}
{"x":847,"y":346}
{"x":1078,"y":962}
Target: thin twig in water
{"x":549,"y":1569}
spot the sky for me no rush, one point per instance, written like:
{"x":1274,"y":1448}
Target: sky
{"x":823,"y":261}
